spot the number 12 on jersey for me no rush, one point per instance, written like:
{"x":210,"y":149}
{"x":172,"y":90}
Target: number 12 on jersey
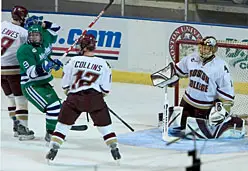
{"x":84,"y":78}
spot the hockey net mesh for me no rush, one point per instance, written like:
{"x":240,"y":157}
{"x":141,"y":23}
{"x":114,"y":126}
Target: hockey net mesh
{"x":236,"y":55}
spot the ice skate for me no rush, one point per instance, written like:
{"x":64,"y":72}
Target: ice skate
{"x":52,"y":153}
{"x":48,"y":136}
{"x":115,"y":151}
{"x":24,"y":133}
{"x":15,"y":127}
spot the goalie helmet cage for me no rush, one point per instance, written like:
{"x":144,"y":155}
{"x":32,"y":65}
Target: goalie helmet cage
{"x":236,"y":55}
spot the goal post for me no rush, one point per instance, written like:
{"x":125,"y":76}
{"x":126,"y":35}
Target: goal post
{"x":235,"y":54}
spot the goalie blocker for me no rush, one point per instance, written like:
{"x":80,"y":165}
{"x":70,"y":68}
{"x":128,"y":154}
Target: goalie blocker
{"x":165,"y":77}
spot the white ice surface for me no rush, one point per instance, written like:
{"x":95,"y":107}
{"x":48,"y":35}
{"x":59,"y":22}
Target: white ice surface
{"x":138,"y":105}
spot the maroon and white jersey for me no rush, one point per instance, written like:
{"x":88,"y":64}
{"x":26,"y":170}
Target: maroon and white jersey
{"x":12,"y":37}
{"x":82,"y":73}
{"x":207,"y":82}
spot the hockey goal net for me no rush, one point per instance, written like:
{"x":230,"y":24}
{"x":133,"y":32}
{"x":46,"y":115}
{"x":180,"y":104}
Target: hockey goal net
{"x":236,"y":55}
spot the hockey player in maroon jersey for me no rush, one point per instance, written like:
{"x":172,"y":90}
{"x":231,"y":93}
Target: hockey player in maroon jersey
{"x":87,"y":79}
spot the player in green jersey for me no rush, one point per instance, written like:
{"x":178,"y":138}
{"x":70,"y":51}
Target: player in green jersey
{"x":36,"y":65}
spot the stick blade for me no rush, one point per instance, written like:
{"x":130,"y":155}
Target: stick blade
{"x":168,"y":139}
{"x":79,"y":127}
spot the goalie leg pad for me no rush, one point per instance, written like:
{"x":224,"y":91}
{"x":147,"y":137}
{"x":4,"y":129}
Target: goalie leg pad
{"x":174,"y":125}
{"x":234,"y":127}
{"x":200,"y":129}
{"x":175,"y":115}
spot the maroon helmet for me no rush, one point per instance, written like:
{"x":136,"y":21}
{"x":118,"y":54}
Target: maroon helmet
{"x":19,"y":13}
{"x":88,"y":41}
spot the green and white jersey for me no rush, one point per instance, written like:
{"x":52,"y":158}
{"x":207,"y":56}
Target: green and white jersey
{"x":30,"y":56}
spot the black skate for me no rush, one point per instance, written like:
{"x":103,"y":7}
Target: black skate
{"x":115,"y":151}
{"x":52,"y":153}
{"x":24,"y":133}
{"x":48,"y":135}
{"x":15,"y":127}
{"x":116,"y":154}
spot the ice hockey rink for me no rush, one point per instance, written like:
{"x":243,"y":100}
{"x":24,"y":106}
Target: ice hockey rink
{"x":138,"y":105}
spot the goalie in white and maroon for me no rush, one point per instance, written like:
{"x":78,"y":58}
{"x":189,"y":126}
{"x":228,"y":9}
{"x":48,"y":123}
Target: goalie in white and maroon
{"x":87,"y":80}
{"x":205,"y":108}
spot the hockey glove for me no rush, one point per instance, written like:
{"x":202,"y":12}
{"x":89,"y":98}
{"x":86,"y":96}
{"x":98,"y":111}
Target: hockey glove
{"x":33,"y":20}
{"x":47,"y":65}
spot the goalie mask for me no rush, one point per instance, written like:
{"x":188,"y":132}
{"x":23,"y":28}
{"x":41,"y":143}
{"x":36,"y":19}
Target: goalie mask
{"x":87,"y":43}
{"x":35,"y":35}
{"x":19,"y":13}
{"x":207,"y":47}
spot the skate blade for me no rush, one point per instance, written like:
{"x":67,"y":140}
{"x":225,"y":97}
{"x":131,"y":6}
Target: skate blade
{"x":49,"y":162}
{"x":118,"y":162}
{"x":16,"y":134}
{"x":25,"y":138}
{"x":47,"y":144}
{"x":170,"y":140}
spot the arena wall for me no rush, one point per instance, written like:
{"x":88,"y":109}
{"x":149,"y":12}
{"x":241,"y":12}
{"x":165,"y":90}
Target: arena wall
{"x":135,"y":48}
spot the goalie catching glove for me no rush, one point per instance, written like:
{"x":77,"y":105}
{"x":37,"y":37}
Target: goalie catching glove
{"x":165,"y":77}
{"x":218,"y":114}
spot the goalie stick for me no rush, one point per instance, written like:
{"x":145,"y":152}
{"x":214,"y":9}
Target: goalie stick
{"x":85,"y":31}
{"x":161,"y":79}
{"x":165,"y":132}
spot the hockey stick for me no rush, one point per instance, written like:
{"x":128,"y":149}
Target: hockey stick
{"x":184,"y":136}
{"x":121,"y":120}
{"x":79,"y":127}
{"x":165,"y":132}
{"x":87,"y":117}
{"x":85,"y":31}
